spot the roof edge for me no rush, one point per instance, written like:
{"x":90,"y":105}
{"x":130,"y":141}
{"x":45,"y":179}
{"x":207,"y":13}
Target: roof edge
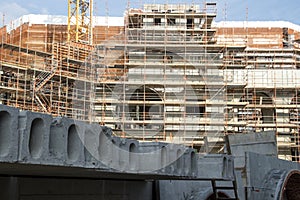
{"x":256,"y":24}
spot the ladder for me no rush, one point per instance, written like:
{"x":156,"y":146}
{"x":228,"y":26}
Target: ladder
{"x":40,"y":103}
{"x":230,"y":186}
{"x":43,"y":102}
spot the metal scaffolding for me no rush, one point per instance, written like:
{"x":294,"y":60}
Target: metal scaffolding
{"x":170,"y":73}
{"x":167,"y":84}
{"x":175,"y":76}
{"x":43,"y":73}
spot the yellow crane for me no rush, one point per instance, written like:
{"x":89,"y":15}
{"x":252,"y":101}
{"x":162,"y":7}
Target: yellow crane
{"x":80,"y":21}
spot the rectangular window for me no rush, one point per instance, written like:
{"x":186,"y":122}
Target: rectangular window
{"x":189,"y":23}
{"x":157,"y":21}
{"x":195,"y":111}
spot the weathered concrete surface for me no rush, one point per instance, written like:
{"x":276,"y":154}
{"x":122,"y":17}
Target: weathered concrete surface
{"x":65,"y":145}
{"x":262,"y":143}
{"x":9,"y":140}
{"x":181,"y":190}
{"x":256,"y":163}
{"x":34,"y":133}
{"x":83,"y":157}
{"x":266,"y":176}
{"x":216,"y":166}
{"x":37,"y":140}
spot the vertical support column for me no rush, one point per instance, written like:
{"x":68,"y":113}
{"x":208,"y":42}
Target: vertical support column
{"x":9,"y":188}
{"x":80,"y":19}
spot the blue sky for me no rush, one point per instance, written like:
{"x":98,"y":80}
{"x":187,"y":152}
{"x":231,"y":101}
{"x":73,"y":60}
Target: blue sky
{"x":229,"y":10}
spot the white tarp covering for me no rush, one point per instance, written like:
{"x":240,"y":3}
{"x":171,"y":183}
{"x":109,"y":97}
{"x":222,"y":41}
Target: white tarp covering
{"x":119,"y":21}
{"x":256,"y":24}
{"x":62,"y":20}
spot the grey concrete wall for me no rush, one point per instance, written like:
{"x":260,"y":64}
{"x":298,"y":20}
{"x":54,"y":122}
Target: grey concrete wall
{"x":182,"y":190}
{"x":9,"y":140}
{"x":265,"y":176}
{"x":38,"y":139}
{"x":261,"y":143}
{"x":37,"y":145}
{"x":62,"y":147}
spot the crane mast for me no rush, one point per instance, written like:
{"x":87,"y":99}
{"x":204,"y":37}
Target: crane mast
{"x":80,"y":21}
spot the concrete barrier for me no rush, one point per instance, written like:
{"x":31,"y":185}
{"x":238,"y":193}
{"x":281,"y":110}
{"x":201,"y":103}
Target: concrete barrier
{"x":109,"y":151}
{"x":190,"y":163}
{"x":91,"y":145}
{"x":128,"y":155}
{"x":9,"y":140}
{"x":34,"y":144}
{"x":179,"y":161}
{"x":216,"y":166}
{"x":34,"y":137}
{"x":179,"y":157}
{"x":105,"y":150}
{"x":150,"y":151}
{"x":65,"y":144}
{"x":164,"y":158}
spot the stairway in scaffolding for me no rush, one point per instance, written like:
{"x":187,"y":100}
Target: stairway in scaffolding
{"x":41,"y":80}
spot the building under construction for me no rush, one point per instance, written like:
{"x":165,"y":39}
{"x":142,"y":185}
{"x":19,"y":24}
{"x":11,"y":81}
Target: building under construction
{"x":163,"y":72}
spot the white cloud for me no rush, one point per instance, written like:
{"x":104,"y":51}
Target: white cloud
{"x":35,"y":8}
{"x":11,"y":11}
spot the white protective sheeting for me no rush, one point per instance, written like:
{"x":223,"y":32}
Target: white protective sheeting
{"x":256,"y":24}
{"x":62,"y":20}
